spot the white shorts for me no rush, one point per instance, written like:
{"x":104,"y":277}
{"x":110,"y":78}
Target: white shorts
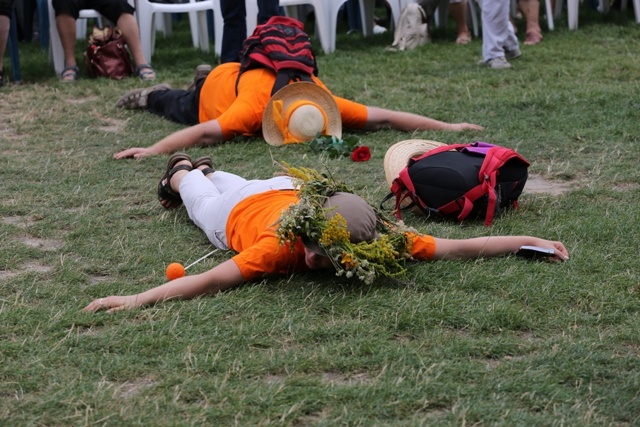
{"x":210,"y":201}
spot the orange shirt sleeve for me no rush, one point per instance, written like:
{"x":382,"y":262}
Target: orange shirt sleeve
{"x":423,"y":247}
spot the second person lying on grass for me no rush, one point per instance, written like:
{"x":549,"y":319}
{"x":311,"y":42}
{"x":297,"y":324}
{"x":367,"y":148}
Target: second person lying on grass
{"x":299,"y":222}
{"x":217,"y":109}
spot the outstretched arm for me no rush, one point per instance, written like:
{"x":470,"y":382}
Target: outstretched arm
{"x":219,"y":278}
{"x":494,"y":246}
{"x":207,"y":133}
{"x":380,"y":118}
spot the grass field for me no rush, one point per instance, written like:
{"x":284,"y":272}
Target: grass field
{"x":489,"y":342}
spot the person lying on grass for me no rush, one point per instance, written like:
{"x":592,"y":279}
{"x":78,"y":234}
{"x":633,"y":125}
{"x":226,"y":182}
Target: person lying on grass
{"x":217,"y":110}
{"x":299,"y":222}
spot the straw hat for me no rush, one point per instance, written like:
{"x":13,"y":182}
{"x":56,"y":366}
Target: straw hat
{"x":399,"y":154}
{"x":298,"y":112}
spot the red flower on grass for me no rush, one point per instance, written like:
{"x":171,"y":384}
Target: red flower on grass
{"x":361,"y":154}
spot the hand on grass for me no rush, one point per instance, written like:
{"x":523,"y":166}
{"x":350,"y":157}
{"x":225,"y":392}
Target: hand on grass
{"x":561,"y":253}
{"x":465,"y":126}
{"x":112,"y":303}
{"x":137,"y":153}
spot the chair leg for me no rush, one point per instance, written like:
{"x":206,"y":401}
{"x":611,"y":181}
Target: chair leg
{"x":572,"y":11}
{"x":548,"y":9}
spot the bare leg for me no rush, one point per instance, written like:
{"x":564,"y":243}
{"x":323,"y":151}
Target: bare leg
{"x":67,"y":30}
{"x":459,"y":13}
{"x":531,"y":11}
{"x":129,"y":27}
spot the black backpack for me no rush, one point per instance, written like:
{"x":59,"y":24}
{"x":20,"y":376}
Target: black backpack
{"x":461,"y":181}
{"x":280,"y":45}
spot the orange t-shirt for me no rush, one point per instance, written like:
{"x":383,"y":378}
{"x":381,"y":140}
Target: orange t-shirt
{"x":241,"y":114}
{"x":251,"y":231}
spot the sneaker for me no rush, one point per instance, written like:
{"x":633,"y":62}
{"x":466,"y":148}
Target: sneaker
{"x":137,"y":98}
{"x":496,"y":63}
{"x":513,"y":54}
{"x":202,"y":71}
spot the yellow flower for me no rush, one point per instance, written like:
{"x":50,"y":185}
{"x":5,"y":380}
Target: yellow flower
{"x":335,"y":232}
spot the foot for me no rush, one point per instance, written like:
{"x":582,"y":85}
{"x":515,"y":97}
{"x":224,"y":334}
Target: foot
{"x":463,"y":38}
{"x":168,"y":197}
{"x":202,"y":71}
{"x":532,"y":38}
{"x":145,"y":72}
{"x":205,"y":164}
{"x":496,"y":63}
{"x":136,"y":99}
{"x":70,"y":74}
{"x":513,"y":54}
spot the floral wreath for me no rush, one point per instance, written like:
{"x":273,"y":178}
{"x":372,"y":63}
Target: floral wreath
{"x":384,"y":256}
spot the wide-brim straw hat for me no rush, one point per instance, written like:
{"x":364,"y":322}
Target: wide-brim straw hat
{"x":297,"y":92}
{"x":398,"y":155}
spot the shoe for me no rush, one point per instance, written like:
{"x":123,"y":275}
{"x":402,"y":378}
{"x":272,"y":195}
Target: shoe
{"x":532,"y":38}
{"x":202,"y":71}
{"x":204,"y":161}
{"x":498,"y":63}
{"x":513,"y":54}
{"x":137,"y":98}
{"x":379,"y":29}
{"x":69,"y":74}
{"x":463,"y":39}
{"x":145,"y":72}
{"x":169,"y":198}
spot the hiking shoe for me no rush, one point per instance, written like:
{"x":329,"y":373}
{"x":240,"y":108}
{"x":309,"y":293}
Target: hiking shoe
{"x":137,"y":98}
{"x":513,"y":54}
{"x":202,"y":71}
{"x":498,"y":63}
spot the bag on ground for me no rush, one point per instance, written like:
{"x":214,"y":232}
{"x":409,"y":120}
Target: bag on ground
{"x":107,"y":55}
{"x":282,"y":46}
{"x":412,"y":29}
{"x":462,"y":181}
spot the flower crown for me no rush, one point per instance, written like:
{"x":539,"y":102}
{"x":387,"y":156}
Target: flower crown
{"x":384,"y":256}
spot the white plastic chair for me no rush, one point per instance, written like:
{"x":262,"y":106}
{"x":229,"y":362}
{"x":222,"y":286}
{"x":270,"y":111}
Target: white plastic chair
{"x":147,"y":10}
{"x":56,"y":52}
{"x":572,"y":10}
{"x":440,"y":15}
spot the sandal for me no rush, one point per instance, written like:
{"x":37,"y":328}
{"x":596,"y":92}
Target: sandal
{"x":145,"y":72}
{"x":169,"y":198}
{"x":69,"y":74}
{"x":204,"y":161}
{"x":463,"y":39}
{"x":137,"y":98}
{"x":532,"y":38}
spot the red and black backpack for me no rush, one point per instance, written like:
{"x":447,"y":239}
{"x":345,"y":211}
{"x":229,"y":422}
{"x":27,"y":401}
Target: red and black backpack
{"x":462,"y":180}
{"x":280,"y":45}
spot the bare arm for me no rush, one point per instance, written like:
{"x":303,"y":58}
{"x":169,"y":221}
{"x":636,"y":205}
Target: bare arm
{"x":207,"y":133}
{"x":494,"y":246}
{"x":219,"y":278}
{"x":380,"y":118}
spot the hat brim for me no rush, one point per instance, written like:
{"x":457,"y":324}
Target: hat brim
{"x":301,"y":91}
{"x":398,"y":155}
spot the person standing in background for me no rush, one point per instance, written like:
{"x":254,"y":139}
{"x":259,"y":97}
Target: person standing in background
{"x":234,"y":14}
{"x":499,"y":42}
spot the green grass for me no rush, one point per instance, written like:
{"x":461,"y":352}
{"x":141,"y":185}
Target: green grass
{"x":488,"y":342}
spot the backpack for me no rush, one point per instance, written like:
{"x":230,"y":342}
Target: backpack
{"x":107,"y":55}
{"x":412,"y":29}
{"x":462,"y":180}
{"x":280,"y":45}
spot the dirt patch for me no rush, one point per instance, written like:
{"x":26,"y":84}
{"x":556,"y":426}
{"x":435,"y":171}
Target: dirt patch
{"x":95,"y":279}
{"x":18,"y":221}
{"x":37,"y":268}
{"x":80,"y":101}
{"x":112,"y":125}
{"x":131,"y":388}
{"x":45,"y":244}
{"x":334,"y":378}
{"x":538,"y":185}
